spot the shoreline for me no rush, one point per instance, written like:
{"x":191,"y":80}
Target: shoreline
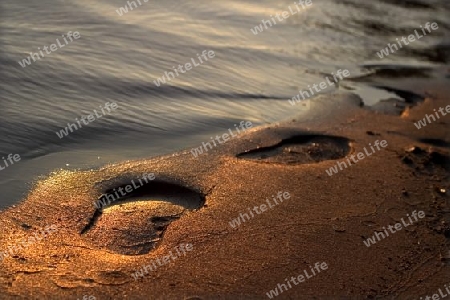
{"x":326,"y":219}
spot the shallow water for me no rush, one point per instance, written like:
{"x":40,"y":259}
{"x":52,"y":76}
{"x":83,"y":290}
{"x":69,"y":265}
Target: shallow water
{"x":117,"y":59}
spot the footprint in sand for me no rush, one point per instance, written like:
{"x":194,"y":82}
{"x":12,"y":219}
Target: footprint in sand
{"x":301,"y":149}
{"x":135,"y":223}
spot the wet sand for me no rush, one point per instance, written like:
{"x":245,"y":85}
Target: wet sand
{"x":192,"y":200}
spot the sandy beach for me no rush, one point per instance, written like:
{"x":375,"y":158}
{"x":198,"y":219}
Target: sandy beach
{"x":192,"y":200}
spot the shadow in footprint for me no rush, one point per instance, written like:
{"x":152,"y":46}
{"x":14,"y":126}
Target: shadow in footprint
{"x":435,"y":142}
{"x":426,"y":161}
{"x":135,"y":223}
{"x":302,"y":149}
